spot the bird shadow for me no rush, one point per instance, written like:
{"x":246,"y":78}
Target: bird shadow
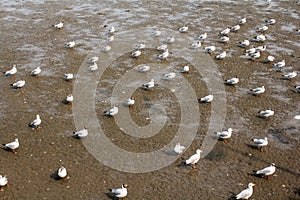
{"x":111,"y":196}
{"x":251,"y":146}
{"x":232,"y":196}
{"x":55,"y":176}
{"x":65,"y":102}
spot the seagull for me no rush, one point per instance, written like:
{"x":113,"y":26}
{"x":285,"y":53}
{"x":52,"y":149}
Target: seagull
{"x":18,"y":84}
{"x":111,"y":112}
{"x":225,"y":31}
{"x":93,"y":67}
{"x":232,"y":81}
{"x":270,"y":21}
{"x":247,"y":193}
{"x":262,"y":28}
{"x":290,"y":75}
{"x":157,"y":33}
{"x":143,"y":68}
{"x":193,"y":160}
{"x":3,"y":182}
{"x":162,"y":47}
{"x":185,"y":69}
{"x":130,"y":102}
{"x":93,"y":59}
{"x":258,"y":90}
{"x":35,"y":72}
{"x":261,"y":143}
{"x":244,"y":43}
{"x":267,"y":171}
{"x":255,"y":55}
{"x":164,"y":55}
{"x":279,"y":64}
{"x":242,"y":21}
{"x":224,"y":39}
{"x":69,"y":99}
{"x":235,"y":28}
{"x":250,"y":51}
{"x":35,"y":124}
{"x":225,"y":135}
{"x":12,"y":146}
{"x":202,"y":36}
{"x":266,"y":113}
{"x":62,"y":172}
{"x":260,"y":38}
{"x":206,"y":99}
{"x":120,"y":192}
{"x":270,"y":59}
{"x":136,"y":53}
{"x":196,"y":45}
{"x":11,"y":72}
{"x":149,"y":84}
{"x":112,"y":30}
{"x":297,"y":87}
{"x":221,"y":55}
{"x":82,"y":133}
{"x":68,"y":77}
{"x":170,"y":39}
{"x":179,"y":148}
{"x":70,"y":44}
{"x":111,"y":38}
{"x":210,"y":49}
{"x":59,"y":25}
{"x":169,"y":76}
{"x":183,"y":29}
{"x":140,"y":46}
{"x":106,"y":48}
{"x":261,"y":48}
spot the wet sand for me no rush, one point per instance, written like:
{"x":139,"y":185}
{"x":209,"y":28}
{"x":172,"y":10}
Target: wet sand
{"x":28,"y":40}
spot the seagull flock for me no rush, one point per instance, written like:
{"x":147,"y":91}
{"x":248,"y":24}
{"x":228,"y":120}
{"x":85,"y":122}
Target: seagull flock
{"x":253,"y":53}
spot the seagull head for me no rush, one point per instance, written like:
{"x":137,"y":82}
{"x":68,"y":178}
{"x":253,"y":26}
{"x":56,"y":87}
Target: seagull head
{"x":251,"y":184}
{"x":125,"y":186}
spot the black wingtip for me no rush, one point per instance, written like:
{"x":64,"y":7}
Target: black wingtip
{"x":110,"y":190}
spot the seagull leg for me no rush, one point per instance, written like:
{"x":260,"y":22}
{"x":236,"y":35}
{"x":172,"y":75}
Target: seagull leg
{"x":1,"y":190}
{"x":268,"y":178}
{"x":225,"y":140}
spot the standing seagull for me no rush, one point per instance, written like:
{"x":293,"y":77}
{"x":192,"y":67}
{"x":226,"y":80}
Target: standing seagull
{"x":179,"y":148}
{"x":225,"y":135}
{"x":12,"y":146}
{"x":18,"y":84}
{"x":35,"y":72}
{"x":267,"y":171}
{"x":247,"y":193}
{"x":68,"y":77}
{"x":11,"y":72}
{"x":35,"y":124}
{"x":69,"y":99}
{"x":81,"y":134}
{"x":120,"y":192}
{"x":148,"y":85}
{"x":261,"y":143}
{"x":59,"y":25}
{"x":193,"y":160}
{"x":183,"y":29}
{"x":130,"y":102}
{"x":3,"y":182}
{"x":62,"y":172}
{"x":111,"y":112}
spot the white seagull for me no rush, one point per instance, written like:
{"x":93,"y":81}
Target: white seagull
{"x":170,"y":39}
{"x":59,"y":25}
{"x":247,"y":193}
{"x":270,"y":59}
{"x":162,"y":47}
{"x":120,"y":192}
{"x":267,"y":171}
{"x":148,"y":85}
{"x":185,"y":69}
{"x":112,"y":29}
{"x":260,"y":38}
{"x":225,"y":31}
{"x":224,"y":39}
{"x":156,"y":33}
{"x":143,"y":68}
{"x":258,"y":90}
{"x":210,"y":49}
{"x":183,"y":29}
{"x":196,"y":45}
{"x":235,"y":28}
{"x":62,"y":172}
{"x":221,"y":55}
{"x":242,"y":21}
{"x":244,"y":43}
{"x":179,"y":148}
{"x":169,"y":76}
{"x":111,"y":112}
{"x":81,"y":134}
{"x":136,"y":53}
{"x":261,"y":48}
{"x":68,"y":77}
{"x":111,"y":38}
{"x":250,"y":51}
{"x":164,"y":55}
{"x":93,"y":59}
{"x":261,"y":142}
{"x":266,"y":113}
{"x":18,"y":84}
{"x":69,"y":99}
{"x":202,"y":36}
{"x":193,"y":160}
{"x":3,"y":182}
{"x":206,"y":99}
{"x":12,"y":146}
{"x":93,"y":67}
{"x":106,"y":48}
{"x":232,"y":81}
{"x":35,"y":72}
{"x":279,"y":65}
{"x":11,"y":71}
{"x":225,"y":135}
{"x":254,"y":56}
{"x":70,"y":44}
{"x":140,"y":46}
{"x":130,"y":102}
{"x":290,"y":75}
{"x":262,"y":28}
{"x":36,"y":122}
{"x":270,"y":21}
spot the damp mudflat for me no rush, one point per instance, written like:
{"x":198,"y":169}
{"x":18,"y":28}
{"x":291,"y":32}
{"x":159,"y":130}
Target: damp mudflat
{"x":29,"y":40}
